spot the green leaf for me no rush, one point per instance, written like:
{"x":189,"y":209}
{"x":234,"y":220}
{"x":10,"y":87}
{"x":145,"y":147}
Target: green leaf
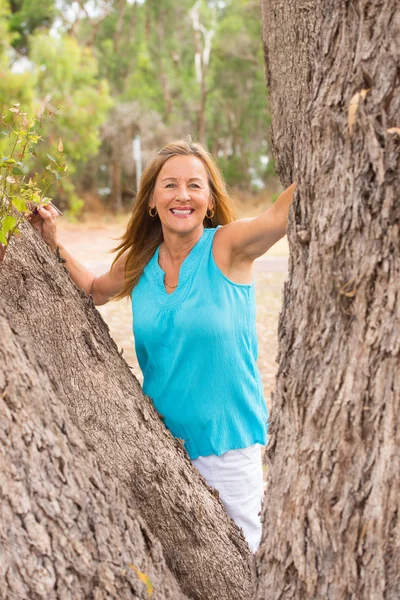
{"x":49,"y":168}
{"x":7,"y":224}
{"x":19,"y":203}
{"x":17,"y":171}
{"x":3,"y":239}
{"x":52,"y":158}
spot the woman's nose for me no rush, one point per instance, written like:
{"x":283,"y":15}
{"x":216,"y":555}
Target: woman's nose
{"x":182,"y":194}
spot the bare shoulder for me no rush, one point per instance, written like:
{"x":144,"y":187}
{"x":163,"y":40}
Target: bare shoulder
{"x":226,"y":237}
{"x":236,"y":270}
{"x":242,"y":241}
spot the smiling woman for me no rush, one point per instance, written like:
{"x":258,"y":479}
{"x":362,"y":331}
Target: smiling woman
{"x":166,"y":185}
{"x":182,"y":200}
{"x":187,"y":266}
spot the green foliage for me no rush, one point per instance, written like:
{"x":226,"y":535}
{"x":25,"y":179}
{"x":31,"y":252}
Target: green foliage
{"x":14,"y":87}
{"x":21,"y":190}
{"x":67,"y":80}
{"x":79,"y":63}
{"x":26,"y":17}
{"x":60,"y":77}
{"x":239,"y":112}
{"x":5,"y":36}
{"x":151,"y":59}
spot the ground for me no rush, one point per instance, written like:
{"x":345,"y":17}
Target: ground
{"x":90,"y":242}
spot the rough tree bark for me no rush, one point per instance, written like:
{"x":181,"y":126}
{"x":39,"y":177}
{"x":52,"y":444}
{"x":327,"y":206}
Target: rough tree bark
{"x":67,"y":528}
{"x":331,"y":513}
{"x":56,"y":352}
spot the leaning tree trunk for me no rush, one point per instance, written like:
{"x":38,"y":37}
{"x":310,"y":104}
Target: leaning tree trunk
{"x":332,"y":508}
{"x":56,"y":353}
{"x":67,"y":527}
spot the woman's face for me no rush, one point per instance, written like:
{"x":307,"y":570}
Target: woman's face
{"x":182,"y":194}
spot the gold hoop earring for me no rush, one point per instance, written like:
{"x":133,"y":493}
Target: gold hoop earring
{"x":210,"y":213}
{"x":151,"y":213}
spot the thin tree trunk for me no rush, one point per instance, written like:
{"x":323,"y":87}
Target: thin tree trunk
{"x":201,"y":113}
{"x":121,"y":8}
{"x":203,"y":45}
{"x":66,"y":343}
{"x":116,"y":184}
{"x":165,"y":86}
{"x":331,"y":512}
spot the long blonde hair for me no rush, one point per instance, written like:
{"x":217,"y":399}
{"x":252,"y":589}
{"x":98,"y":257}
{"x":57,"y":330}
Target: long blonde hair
{"x":144,"y":234}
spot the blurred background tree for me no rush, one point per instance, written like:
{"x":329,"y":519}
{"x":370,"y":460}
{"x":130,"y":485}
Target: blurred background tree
{"x":111,"y":70}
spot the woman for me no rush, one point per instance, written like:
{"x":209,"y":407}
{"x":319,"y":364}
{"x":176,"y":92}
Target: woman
{"x":188,"y":268}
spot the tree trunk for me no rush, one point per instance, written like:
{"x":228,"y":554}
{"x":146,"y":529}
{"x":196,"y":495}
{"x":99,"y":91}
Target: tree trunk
{"x":67,"y":527}
{"x":165,"y":83}
{"x":121,"y":8}
{"x":331,"y":513}
{"x":116,"y":182}
{"x":201,"y":113}
{"x":203,"y":44}
{"x":56,"y":353}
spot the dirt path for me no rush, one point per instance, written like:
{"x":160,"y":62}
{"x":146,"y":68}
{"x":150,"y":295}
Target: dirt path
{"x":90,"y":243}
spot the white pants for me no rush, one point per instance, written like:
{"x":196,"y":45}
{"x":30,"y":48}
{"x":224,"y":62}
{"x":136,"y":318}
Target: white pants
{"x":238,"y":477}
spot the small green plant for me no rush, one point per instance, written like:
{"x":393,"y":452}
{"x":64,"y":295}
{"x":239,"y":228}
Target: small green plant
{"x":21,"y":190}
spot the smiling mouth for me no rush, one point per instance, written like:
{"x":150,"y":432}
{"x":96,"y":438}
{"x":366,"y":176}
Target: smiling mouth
{"x":182,"y":212}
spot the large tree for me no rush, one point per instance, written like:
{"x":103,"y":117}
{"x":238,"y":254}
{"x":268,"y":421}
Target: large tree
{"x":68,"y":529}
{"x":331,"y":513}
{"x":332,"y":509}
{"x":85,"y":459}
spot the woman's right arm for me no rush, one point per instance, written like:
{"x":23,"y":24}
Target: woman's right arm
{"x":101,"y":288}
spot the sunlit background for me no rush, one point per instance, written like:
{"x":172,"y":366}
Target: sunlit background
{"x":116,"y":80}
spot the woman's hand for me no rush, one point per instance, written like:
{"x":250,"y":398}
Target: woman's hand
{"x":44,"y":221}
{"x":102,"y":288}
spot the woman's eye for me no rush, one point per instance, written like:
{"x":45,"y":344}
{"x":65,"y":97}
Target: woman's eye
{"x":195,"y":185}
{"x":170,"y":185}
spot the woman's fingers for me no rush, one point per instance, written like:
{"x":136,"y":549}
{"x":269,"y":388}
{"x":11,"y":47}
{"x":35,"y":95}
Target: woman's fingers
{"x":35,"y":220}
{"x":40,"y":213}
{"x":48,"y":232}
{"x":43,"y":219}
{"x":47,"y":212}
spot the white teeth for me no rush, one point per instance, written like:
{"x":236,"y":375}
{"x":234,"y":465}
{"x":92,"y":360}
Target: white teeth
{"x":181,"y":212}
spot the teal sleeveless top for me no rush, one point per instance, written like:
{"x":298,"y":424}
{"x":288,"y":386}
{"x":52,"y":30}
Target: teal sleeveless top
{"x":197,"y":349}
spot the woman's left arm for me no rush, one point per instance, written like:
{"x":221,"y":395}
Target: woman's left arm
{"x":247,"y":239}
